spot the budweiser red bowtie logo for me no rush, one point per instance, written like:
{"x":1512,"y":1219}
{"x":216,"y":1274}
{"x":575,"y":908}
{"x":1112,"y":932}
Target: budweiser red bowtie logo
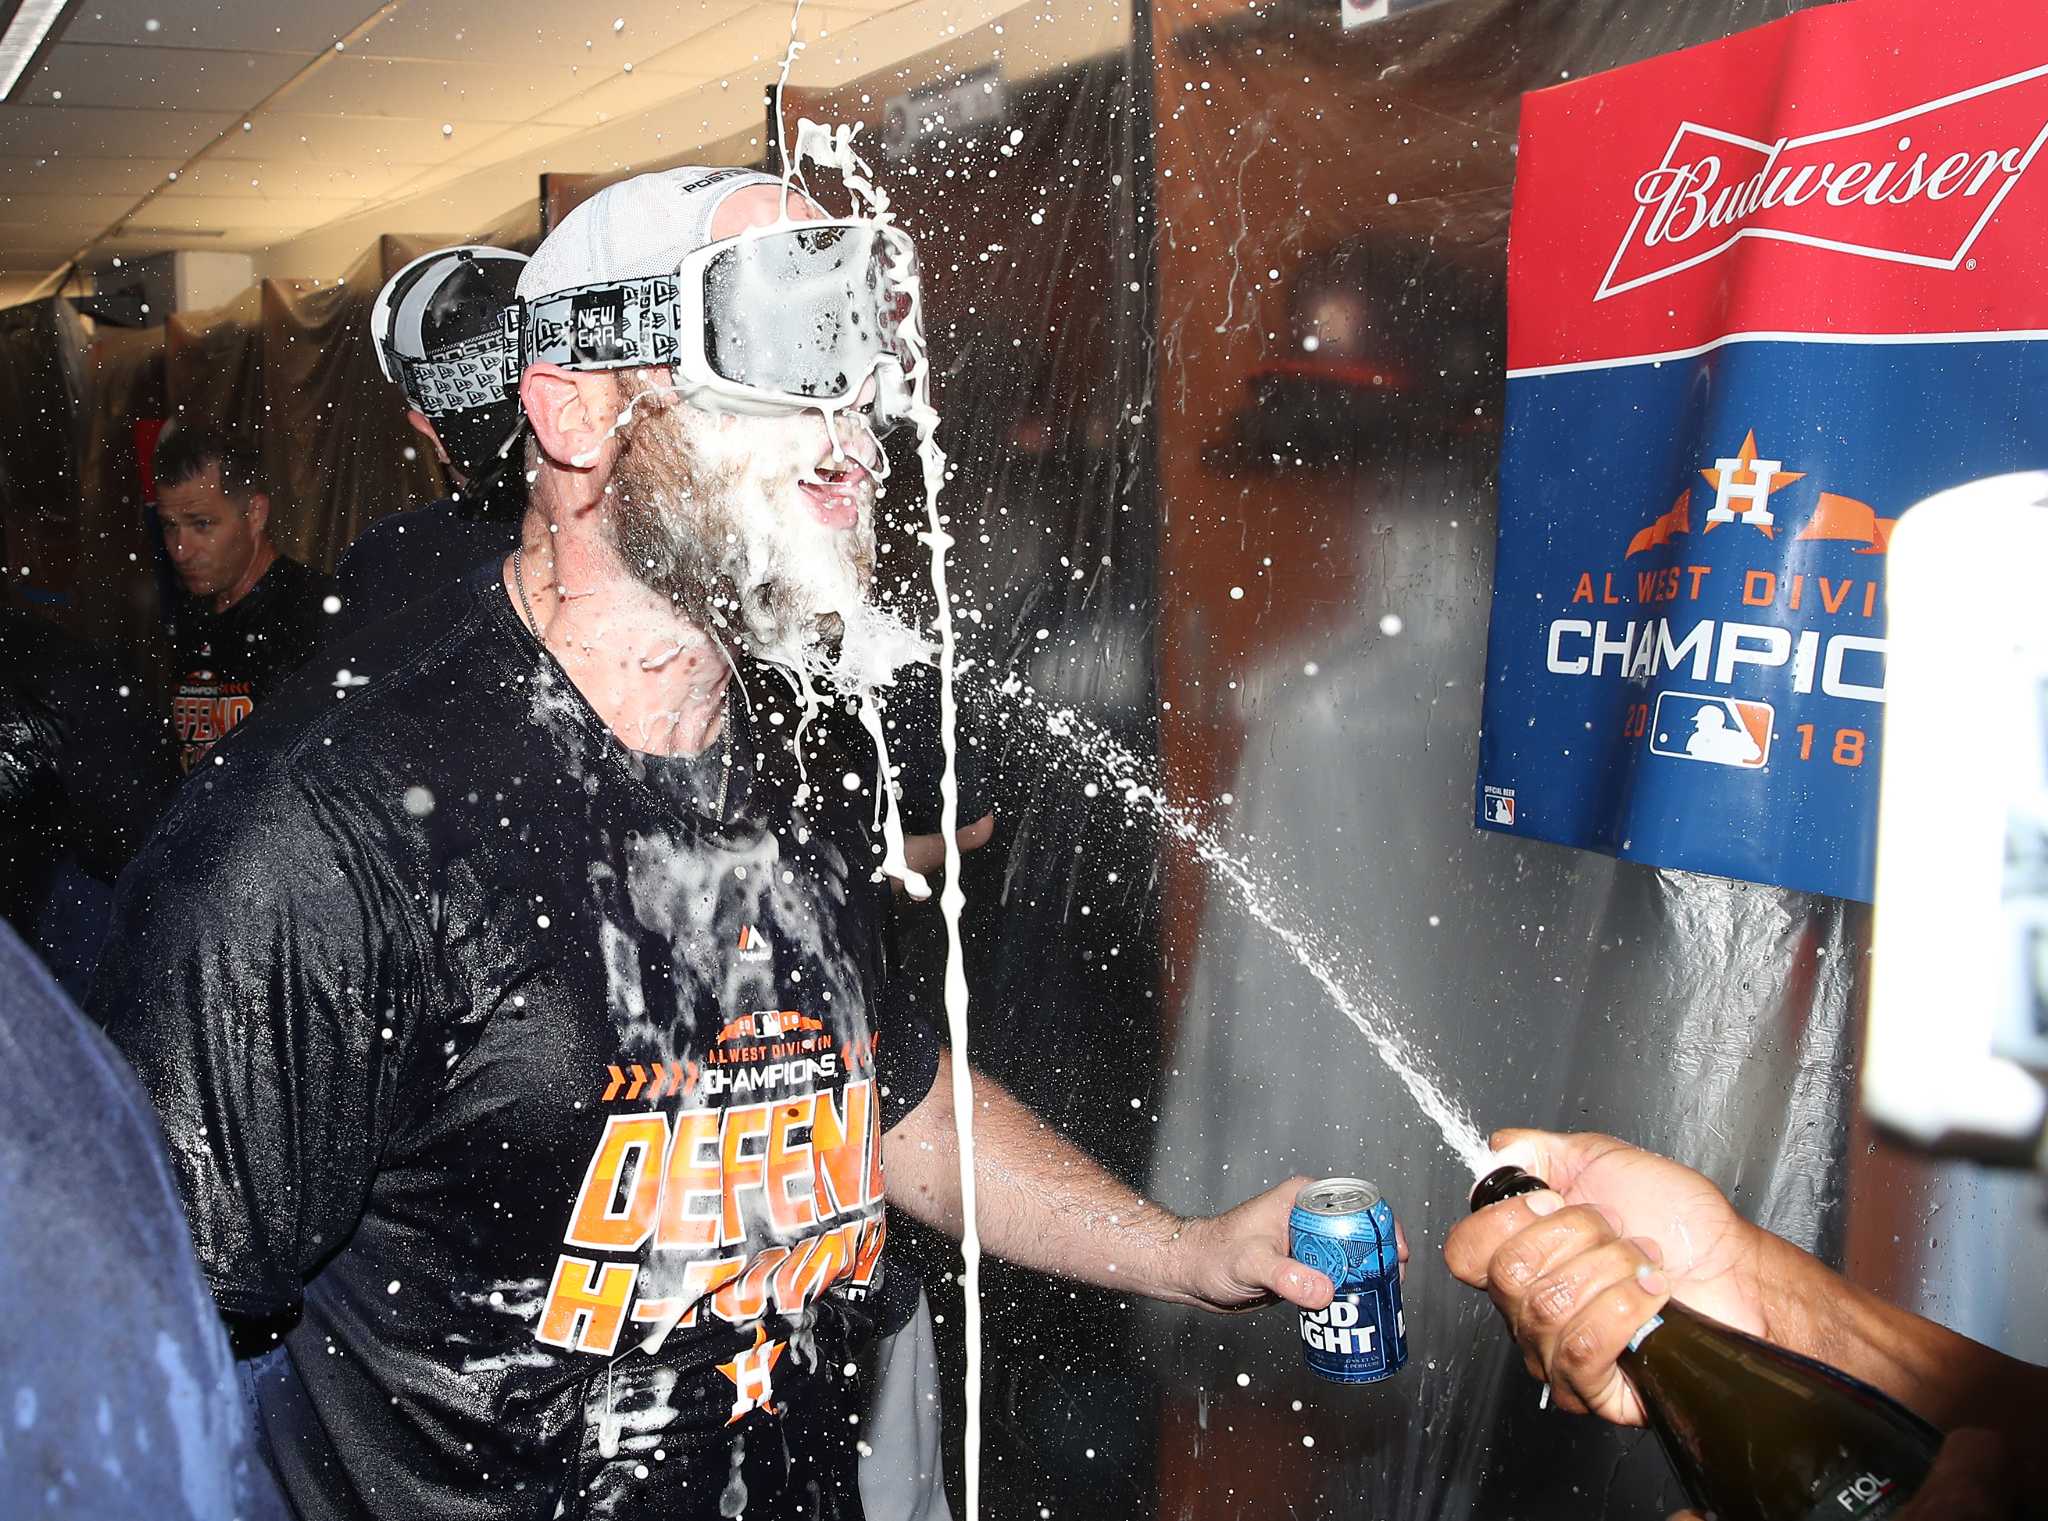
{"x":1917,"y":186}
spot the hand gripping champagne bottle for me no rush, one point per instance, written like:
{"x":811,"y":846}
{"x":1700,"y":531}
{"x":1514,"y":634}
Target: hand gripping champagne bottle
{"x":1756,"y":1433}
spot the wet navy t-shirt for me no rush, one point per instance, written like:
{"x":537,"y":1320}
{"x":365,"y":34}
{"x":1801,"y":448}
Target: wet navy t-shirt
{"x":555,"y":1103}
{"x":409,"y":555}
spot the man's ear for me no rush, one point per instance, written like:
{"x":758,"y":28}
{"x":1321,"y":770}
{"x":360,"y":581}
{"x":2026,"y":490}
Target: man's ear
{"x":424,"y":426}
{"x":259,"y":513}
{"x":572,"y":412}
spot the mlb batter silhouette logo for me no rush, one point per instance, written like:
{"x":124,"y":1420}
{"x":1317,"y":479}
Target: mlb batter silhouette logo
{"x":1721,"y":731}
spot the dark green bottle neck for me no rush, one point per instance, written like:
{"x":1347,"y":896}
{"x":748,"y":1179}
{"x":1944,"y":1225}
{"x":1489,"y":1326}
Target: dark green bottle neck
{"x":1504,"y":1183}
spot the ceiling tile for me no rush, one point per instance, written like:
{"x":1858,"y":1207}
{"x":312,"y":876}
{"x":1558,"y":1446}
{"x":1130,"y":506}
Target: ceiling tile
{"x":450,"y":92}
{"x":542,"y":33}
{"x":751,"y":42}
{"x":292,"y":179}
{"x":71,"y":211}
{"x":230,"y":213}
{"x":67,"y":171}
{"x":361,"y":139}
{"x":158,"y":79}
{"x":44,"y":262}
{"x":231,"y":24}
{"x":535,"y":146}
{"x":36,"y":131}
{"x":532,"y":142}
{"x":16,"y":288}
{"x":621,"y":95}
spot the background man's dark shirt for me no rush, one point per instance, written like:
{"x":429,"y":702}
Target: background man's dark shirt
{"x":491,"y":1058}
{"x":85,"y":769}
{"x":227,"y":663}
{"x":408,"y":555}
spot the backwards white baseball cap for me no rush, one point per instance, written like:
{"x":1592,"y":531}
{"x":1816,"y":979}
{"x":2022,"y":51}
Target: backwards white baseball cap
{"x":634,"y":229}
{"x":789,"y":317}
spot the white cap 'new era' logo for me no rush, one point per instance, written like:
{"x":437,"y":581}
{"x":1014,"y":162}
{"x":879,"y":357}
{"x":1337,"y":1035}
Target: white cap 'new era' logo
{"x":1917,"y":186}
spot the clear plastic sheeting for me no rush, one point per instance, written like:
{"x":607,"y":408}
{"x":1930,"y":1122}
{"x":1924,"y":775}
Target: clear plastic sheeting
{"x":1214,"y":295}
{"x":286,"y":366}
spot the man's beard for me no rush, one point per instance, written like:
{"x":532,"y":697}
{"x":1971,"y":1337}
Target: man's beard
{"x":707,"y":511}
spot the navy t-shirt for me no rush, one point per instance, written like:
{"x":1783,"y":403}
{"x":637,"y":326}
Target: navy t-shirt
{"x":550,"y":1104}
{"x":82,"y":767}
{"x":407,"y":555}
{"x":228,"y":663}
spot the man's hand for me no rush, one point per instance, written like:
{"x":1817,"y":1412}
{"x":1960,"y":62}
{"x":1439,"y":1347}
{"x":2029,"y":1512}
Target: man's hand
{"x":1974,"y":1479}
{"x":926,"y":853}
{"x":1238,"y":1260}
{"x":1579,"y":1269}
{"x":1043,"y":1203}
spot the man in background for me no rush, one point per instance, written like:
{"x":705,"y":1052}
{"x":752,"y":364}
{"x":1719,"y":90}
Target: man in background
{"x":438,"y":330}
{"x":250,"y":615}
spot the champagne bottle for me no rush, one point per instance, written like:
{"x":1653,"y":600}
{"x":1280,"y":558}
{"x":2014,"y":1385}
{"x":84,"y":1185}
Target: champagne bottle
{"x":1757,"y":1433}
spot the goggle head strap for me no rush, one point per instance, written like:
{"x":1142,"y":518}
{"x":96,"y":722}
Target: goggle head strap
{"x":477,"y":372}
{"x":446,"y":380}
{"x":612,"y":325}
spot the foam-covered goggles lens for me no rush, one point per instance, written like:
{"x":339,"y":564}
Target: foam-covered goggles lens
{"x":794,"y":317}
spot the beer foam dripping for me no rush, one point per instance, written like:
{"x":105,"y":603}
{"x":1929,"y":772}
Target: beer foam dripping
{"x":873,"y":644}
{"x":832,"y":147}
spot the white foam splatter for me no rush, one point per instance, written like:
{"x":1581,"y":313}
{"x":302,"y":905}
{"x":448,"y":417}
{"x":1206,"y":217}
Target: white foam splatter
{"x":1263,"y":900}
{"x":732,"y":1500}
{"x":833,"y":147}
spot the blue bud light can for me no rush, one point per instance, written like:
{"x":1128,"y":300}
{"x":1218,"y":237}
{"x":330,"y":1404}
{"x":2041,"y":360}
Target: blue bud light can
{"x":1342,"y":1228}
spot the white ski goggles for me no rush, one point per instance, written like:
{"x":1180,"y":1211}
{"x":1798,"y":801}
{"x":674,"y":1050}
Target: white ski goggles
{"x":792,"y":318}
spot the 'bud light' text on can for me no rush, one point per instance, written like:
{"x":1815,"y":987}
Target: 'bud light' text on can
{"x":1343,"y":1229}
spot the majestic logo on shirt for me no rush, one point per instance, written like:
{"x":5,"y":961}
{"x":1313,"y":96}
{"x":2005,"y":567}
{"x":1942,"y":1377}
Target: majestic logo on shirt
{"x":1916,"y":186}
{"x":754,"y":946}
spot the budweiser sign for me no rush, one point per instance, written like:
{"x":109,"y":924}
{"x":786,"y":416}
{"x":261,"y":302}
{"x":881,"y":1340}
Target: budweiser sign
{"x":1917,"y":186}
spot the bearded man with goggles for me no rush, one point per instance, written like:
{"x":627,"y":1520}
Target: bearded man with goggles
{"x":521,"y":1024}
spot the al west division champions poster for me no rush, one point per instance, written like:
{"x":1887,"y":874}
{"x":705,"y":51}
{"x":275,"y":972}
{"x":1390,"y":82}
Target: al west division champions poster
{"x":1764,"y":295}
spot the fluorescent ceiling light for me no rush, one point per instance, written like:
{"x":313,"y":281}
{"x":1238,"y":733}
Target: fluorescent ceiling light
{"x":25,"y":33}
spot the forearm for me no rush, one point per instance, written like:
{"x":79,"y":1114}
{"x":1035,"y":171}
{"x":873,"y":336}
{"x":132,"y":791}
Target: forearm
{"x":1945,"y":1378}
{"x":1040,"y":1201}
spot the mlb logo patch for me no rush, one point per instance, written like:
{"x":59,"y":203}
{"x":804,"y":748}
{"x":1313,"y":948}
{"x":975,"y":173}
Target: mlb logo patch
{"x":1500,"y":806}
{"x":1721,"y":731}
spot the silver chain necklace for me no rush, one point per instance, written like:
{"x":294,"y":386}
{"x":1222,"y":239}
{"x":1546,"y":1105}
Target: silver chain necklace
{"x":724,"y":701}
